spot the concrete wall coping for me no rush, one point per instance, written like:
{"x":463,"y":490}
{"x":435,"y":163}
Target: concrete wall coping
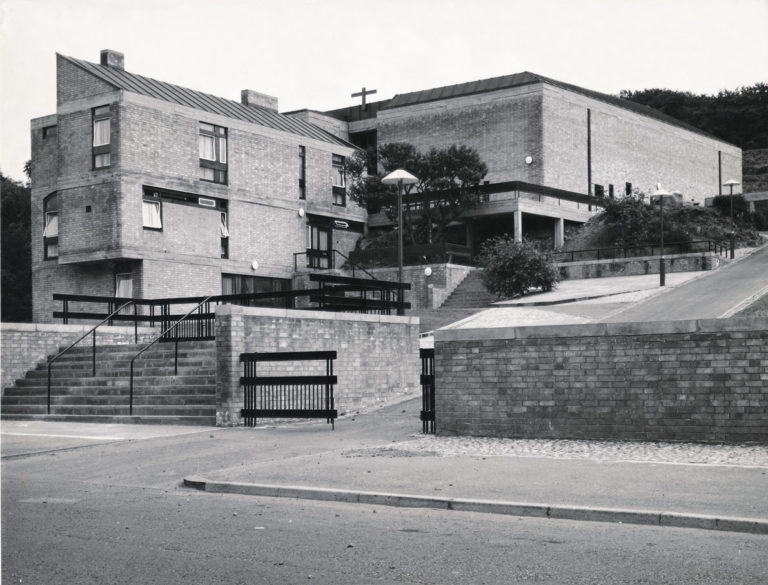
{"x":61,"y":328}
{"x":667,"y":257}
{"x":604,"y":329}
{"x":316,"y":315}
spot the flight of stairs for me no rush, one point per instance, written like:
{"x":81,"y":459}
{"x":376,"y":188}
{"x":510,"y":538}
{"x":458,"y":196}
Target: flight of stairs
{"x":470,"y":293}
{"x":159,"y":396}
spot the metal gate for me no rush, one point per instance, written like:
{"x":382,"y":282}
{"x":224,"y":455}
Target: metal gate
{"x":288,"y":396}
{"x":427,"y":390}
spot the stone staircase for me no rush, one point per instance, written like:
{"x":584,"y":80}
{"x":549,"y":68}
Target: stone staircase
{"x":159,"y":396}
{"x":470,"y":293}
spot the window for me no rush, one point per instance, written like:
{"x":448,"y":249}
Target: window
{"x":599,"y":190}
{"x":302,"y":172}
{"x":318,"y":247}
{"x":240,"y":284}
{"x":51,"y":229}
{"x":610,"y":192}
{"x":124,"y":285}
{"x":628,"y":188}
{"x":224,"y":235}
{"x":339,"y":181}
{"x":212,"y":144}
{"x":49,"y":132}
{"x":152,"y":213}
{"x":101,"y":137}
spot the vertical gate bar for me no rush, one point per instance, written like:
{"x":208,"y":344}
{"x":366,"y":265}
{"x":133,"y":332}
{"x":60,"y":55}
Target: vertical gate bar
{"x":93,"y":353}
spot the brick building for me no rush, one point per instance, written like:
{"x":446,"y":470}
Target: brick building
{"x":145,"y":189}
{"x":549,"y":146}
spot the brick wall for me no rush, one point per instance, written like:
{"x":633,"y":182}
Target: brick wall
{"x":639,"y":265}
{"x":684,"y":380}
{"x":24,"y":345}
{"x":628,"y":147}
{"x":378,"y":356}
{"x":427,"y":292}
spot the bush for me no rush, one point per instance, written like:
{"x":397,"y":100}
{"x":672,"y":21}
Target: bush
{"x":513,"y":268}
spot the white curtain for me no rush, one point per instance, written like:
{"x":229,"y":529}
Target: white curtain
{"x":101,"y":132}
{"x":124,"y":286}
{"x":51,"y":225}
{"x":151,"y":214}
{"x":222,"y":150}
{"x":223,"y":226}
{"x":207,"y":148}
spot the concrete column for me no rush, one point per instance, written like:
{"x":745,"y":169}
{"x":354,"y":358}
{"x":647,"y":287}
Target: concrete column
{"x":559,"y":232}
{"x":518,"y":225}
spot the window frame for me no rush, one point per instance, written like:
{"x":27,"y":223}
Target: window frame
{"x":99,"y":115}
{"x":153,"y":199}
{"x":218,"y":165}
{"x":51,"y":208}
{"x":302,"y":172}
{"x":337,"y":170}
{"x":224,"y":234}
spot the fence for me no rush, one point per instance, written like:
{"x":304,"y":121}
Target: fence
{"x":638,"y":251}
{"x":427,"y":415}
{"x":288,"y":396}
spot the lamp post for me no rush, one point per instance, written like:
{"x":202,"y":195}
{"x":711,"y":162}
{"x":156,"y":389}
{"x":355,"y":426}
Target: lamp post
{"x":730,"y":184}
{"x":661,"y":193}
{"x":399,"y":177}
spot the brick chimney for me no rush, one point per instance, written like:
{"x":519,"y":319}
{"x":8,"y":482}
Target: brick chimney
{"x":251,"y":98}
{"x":113,"y":59}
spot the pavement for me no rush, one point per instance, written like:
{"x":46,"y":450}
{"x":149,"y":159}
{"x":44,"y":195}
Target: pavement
{"x":381,"y":458}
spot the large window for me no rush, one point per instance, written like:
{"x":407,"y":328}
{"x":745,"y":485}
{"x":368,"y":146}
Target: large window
{"x":124,"y":285}
{"x":241,"y":284}
{"x":339,"y":181}
{"x":101,"y":137}
{"x":302,"y":172}
{"x":212,"y":144}
{"x":51,"y":229}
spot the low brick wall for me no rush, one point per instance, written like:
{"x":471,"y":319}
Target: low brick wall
{"x":639,"y":265}
{"x":683,"y":380}
{"x":24,"y":345}
{"x":378,"y":356}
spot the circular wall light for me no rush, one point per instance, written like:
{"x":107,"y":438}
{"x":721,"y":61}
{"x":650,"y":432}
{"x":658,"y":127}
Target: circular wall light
{"x":528,"y":160}
{"x":428,"y":271}
{"x":255,"y":265}
{"x":301,"y":212}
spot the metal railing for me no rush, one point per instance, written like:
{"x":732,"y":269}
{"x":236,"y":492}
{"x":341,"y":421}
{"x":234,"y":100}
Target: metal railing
{"x":639,"y":251}
{"x":92,"y":331}
{"x":326,"y":260}
{"x":427,"y":414}
{"x":289,"y":396}
{"x":176,"y":338}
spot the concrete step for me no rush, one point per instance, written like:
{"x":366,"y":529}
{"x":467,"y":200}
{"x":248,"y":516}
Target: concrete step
{"x":112,"y":409}
{"x":209,"y":420}
{"x":199,"y":398}
{"x":158,"y":379}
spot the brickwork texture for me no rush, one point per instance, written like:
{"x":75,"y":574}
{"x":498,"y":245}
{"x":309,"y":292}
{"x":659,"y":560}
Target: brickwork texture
{"x":685,"y":380}
{"x":378,"y":356}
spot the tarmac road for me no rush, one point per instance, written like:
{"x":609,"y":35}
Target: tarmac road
{"x":105,"y":505}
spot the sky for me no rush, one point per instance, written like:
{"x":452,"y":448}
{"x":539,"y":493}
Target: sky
{"x":314,"y":54}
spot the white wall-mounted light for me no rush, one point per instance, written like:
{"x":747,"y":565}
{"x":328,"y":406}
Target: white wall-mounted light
{"x":528,"y":160}
{"x":428,"y":271}
{"x":255,"y":265}
{"x":301,"y":212}
{"x":342,"y":225}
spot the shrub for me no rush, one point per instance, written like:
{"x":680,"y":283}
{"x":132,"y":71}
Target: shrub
{"x":513,"y":268}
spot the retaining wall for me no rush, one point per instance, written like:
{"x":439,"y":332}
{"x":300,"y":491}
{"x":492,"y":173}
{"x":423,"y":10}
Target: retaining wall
{"x":24,"y":345}
{"x":639,"y":265}
{"x":378,"y":355}
{"x":684,"y":380}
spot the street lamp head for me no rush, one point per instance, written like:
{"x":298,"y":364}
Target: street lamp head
{"x":731,"y":183}
{"x":399,"y":177}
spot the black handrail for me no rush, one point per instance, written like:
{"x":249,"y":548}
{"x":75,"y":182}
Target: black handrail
{"x":91,"y":331}
{"x":332,"y":263}
{"x":607,"y":253}
{"x":156,"y":339}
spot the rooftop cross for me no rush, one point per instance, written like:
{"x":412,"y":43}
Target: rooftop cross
{"x":364,"y":93}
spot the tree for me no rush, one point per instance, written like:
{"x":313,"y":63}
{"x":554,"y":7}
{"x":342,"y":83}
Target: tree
{"x":455,"y":171}
{"x":16,"y":255}
{"x":511,"y":268}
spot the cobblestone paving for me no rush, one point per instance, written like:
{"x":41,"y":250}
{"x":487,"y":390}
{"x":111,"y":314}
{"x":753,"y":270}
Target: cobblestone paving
{"x":655,"y":452}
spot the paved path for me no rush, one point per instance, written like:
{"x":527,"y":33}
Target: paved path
{"x":717,"y":294}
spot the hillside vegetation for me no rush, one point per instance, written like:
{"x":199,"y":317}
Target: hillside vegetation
{"x":632,"y":221}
